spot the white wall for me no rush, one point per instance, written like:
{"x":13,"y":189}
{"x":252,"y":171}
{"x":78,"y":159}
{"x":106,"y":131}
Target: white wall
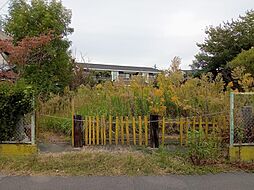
{"x":3,"y":37}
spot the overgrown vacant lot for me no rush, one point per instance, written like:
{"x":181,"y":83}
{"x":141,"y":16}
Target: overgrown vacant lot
{"x":100,"y":162}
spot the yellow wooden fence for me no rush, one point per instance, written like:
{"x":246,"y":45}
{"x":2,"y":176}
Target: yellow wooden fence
{"x":216,"y":127}
{"x":100,"y":130}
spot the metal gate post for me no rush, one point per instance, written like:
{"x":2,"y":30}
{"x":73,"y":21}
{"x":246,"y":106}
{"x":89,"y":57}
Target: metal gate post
{"x":231,"y":118}
{"x":33,"y":123}
{"x":154,"y":131}
{"x":78,"y":131}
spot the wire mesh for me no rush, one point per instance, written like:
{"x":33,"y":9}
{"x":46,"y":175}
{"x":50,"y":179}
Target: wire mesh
{"x":243,"y":118}
{"x":19,"y":133}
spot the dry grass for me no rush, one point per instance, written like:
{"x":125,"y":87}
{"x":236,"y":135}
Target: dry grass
{"x":102,"y":162}
{"x":53,"y":137}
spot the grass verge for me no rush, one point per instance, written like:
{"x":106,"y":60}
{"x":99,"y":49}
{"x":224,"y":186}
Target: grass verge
{"x":102,"y":163}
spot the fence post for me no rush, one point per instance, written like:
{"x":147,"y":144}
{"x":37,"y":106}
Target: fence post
{"x":78,"y":131}
{"x":72,"y":122}
{"x":154,"y":131}
{"x":33,"y":123}
{"x":231,"y":118}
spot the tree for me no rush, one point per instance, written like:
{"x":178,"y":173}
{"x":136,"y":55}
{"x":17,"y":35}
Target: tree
{"x":82,"y":78}
{"x":15,"y":94}
{"x":244,"y":59}
{"x":223,"y":43}
{"x":28,"y":50}
{"x":175,"y":64}
{"x":25,"y":51}
{"x":33,"y":19}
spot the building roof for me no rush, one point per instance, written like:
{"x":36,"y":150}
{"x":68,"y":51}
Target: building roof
{"x":103,"y":67}
{"x":189,"y":71}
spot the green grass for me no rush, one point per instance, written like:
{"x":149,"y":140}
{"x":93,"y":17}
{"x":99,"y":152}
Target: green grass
{"x":110,"y":163}
{"x":57,"y":125}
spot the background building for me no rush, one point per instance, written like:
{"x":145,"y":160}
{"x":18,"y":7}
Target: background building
{"x":118,"y":72}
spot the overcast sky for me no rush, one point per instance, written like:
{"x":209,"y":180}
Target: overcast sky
{"x":145,"y":32}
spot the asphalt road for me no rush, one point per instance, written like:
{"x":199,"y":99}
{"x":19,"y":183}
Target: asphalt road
{"x":233,"y":181}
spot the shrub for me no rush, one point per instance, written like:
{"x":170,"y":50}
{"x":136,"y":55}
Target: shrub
{"x":201,"y":150}
{"x":15,"y":102}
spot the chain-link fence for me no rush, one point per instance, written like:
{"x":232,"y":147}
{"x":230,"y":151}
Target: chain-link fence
{"x":22,"y":131}
{"x":241,"y":118}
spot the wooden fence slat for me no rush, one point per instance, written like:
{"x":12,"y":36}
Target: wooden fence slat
{"x":200,"y":128}
{"x":134,"y":130}
{"x":104,"y":131}
{"x":219,"y":129}
{"x":224,"y":131}
{"x":146,"y":130}
{"x":93,"y":123}
{"x":97,"y":130}
{"x":163,"y":132}
{"x":200,"y":124}
{"x":116,"y":131}
{"x":193,"y":129}
{"x":213,"y":127}
{"x":90,"y":130}
{"x":86,"y":131}
{"x":127,"y":131}
{"x":186,"y":131}
{"x":224,"y":123}
{"x":140,"y":129}
{"x":206,"y":128}
{"x":194,"y":124}
{"x":181,"y":132}
{"x":101,"y":128}
{"x":110,"y":130}
{"x":122,"y":130}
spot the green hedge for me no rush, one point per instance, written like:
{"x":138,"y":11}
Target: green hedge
{"x":15,"y":102}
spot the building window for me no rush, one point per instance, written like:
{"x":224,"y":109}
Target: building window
{"x":114,"y":75}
